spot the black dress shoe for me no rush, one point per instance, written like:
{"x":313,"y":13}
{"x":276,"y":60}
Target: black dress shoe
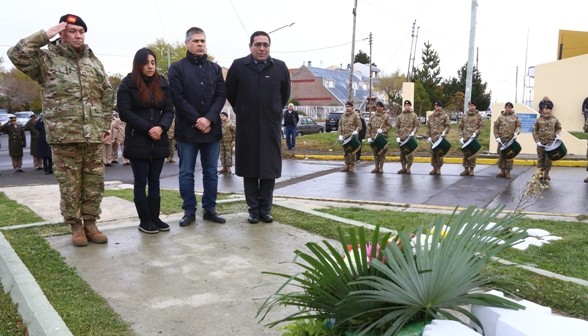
{"x":188,"y":219}
{"x":266,"y":218}
{"x":253,"y":219}
{"x":213,"y":216}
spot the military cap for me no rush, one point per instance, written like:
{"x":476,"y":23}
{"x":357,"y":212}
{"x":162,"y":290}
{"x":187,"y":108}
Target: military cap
{"x":380,"y":104}
{"x":471,"y":102}
{"x":75,"y":20}
{"x":548,"y":105}
{"x":407,"y":102}
{"x":508,"y":104}
{"x":349,"y":103}
{"x":225,"y":113}
{"x":439,"y":103}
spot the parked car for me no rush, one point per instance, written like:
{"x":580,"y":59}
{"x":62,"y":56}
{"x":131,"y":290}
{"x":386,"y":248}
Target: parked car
{"x":306,"y":125}
{"x":3,"y":118}
{"x":23,"y":116}
{"x":332,"y":122}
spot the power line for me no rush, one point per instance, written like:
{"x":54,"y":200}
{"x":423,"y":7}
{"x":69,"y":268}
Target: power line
{"x":238,"y":17}
{"x":302,"y":51}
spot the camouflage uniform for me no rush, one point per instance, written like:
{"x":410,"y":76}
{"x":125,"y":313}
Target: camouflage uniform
{"x":379,"y":120}
{"x":544,"y":131}
{"x":172,"y":141}
{"x":505,"y":127}
{"x":77,"y":109}
{"x":348,"y":123}
{"x":406,"y":123}
{"x":227,"y":143}
{"x":437,"y":123}
{"x":472,"y":122}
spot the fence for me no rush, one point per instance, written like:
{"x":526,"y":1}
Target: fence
{"x":315,"y":112}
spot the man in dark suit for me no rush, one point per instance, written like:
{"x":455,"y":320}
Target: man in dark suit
{"x":258,"y":88}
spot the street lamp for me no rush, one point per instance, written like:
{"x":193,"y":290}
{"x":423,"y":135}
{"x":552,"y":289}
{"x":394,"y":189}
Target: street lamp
{"x":288,"y":25}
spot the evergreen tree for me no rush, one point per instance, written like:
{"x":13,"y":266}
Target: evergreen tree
{"x":429,"y":74}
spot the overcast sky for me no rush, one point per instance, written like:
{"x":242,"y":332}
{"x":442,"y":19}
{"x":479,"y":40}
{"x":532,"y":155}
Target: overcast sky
{"x":322,"y":31}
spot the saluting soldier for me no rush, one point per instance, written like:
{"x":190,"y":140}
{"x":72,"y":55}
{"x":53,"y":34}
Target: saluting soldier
{"x":438,"y":126}
{"x":77,"y":108}
{"x":407,"y":124}
{"x":349,"y":124}
{"x":506,"y":127}
{"x":545,"y":130}
{"x":378,"y":125}
{"x":470,"y":126}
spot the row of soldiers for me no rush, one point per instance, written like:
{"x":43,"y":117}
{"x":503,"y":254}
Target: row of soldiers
{"x":506,"y":128}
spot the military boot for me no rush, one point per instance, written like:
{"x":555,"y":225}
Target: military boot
{"x":381,"y":168}
{"x":407,"y":169}
{"x":376,"y":168}
{"x":586,"y":180}
{"x":93,"y":234}
{"x":78,"y":236}
{"x":228,"y":170}
{"x":501,"y":174}
{"x":465,"y":172}
{"x":438,"y":172}
{"x":433,"y":171}
{"x":507,"y":173}
{"x":471,"y":171}
{"x":346,"y":168}
{"x":546,"y":175}
{"x":222,"y":171}
{"x":403,"y":170}
{"x":352,"y":167}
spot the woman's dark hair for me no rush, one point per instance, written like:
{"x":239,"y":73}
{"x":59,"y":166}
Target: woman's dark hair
{"x":150,"y":91}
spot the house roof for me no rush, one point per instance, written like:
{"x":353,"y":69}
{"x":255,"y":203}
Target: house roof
{"x":340,"y":78}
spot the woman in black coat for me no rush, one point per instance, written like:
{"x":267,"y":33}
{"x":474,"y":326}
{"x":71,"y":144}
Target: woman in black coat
{"x":144,"y":102}
{"x":43,"y":148}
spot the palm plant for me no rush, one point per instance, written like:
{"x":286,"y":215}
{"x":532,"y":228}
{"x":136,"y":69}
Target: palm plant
{"x":432,"y":276}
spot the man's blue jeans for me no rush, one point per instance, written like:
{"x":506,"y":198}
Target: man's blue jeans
{"x":290,"y":133}
{"x":188,"y":152}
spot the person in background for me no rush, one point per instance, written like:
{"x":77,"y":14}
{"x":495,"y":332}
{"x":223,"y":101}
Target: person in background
{"x":545,"y":130}
{"x":349,"y":125}
{"x":585,"y":109}
{"x":145,"y":105}
{"x":542,"y":104}
{"x":360,"y":136}
{"x":258,"y":88}
{"x":407,"y":124}
{"x":506,"y":127}
{"x":172,"y":142}
{"x":199,"y":94}
{"x":470,"y":125}
{"x":291,"y":119}
{"x":44,"y":150}
{"x":586,"y":131}
{"x":34,"y":148}
{"x":16,"y":141}
{"x":438,"y":125}
{"x":107,"y":146}
{"x":118,"y":139}
{"x":227,"y":144}
{"x":77,"y":105}
{"x":379,"y":125}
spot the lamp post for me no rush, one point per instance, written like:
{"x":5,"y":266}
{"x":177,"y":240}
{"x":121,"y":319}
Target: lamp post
{"x":282,"y":27}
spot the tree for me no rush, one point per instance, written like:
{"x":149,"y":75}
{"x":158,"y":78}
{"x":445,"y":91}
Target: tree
{"x":454,"y":85}
{"x":22,"y":92}
{"x":362,"y":58}
{"x":429,"y":74}
{"x":422,"y":101}
{"x":177,"y":51}
{"x":391,"y":86}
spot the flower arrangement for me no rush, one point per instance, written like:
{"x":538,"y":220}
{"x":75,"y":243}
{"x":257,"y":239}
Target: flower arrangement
{"x":378,"y":285}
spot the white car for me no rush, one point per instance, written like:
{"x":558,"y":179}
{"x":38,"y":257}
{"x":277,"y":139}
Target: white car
{"x":23,"y":117}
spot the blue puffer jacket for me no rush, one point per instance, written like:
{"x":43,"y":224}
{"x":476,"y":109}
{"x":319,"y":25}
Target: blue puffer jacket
{"x":198,"y":90}
{"x":140,"y":118}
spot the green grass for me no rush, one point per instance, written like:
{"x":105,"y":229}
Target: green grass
{"x":580,"y":135}
{"x":14,"y":213}
{"x":325,"y":143}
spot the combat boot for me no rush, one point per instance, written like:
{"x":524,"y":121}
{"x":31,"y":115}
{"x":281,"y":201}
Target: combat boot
{"x":352,"y":167}
{"x":376,"y":168}
{"x":408,"y":169}
{"x":78,"y":236}
{"x":438,"y":172}
{"x":465,"y":172}
{"x":471,"y":171}
{"x":586,"y":180}
{"x":346,"y":168}
{"x":501,"y":174}
{"x":228,"y":170}
{"x":93,"y":234}
{"x":222,"y":171}
{"x":402,"y":171}
{"x":546,"y":175}
{"x":507,"y":173}
{"x":434,"y":171}
{"x":381,"y":170}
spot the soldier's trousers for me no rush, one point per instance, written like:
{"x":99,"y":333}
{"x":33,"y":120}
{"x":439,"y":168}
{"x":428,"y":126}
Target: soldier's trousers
{"x":350,"y":157}
{"x":406,"y":160}
{"x":543,"y":162}
{"x":469,"y":162}
{"x":80,"y":172}
{"x":436,"y":160}
{"x":504,"y":163}
{"x":226,"y":153}
{"x":379,"y":155}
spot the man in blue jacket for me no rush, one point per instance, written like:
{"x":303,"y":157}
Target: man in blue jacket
{"x":199,"y":93}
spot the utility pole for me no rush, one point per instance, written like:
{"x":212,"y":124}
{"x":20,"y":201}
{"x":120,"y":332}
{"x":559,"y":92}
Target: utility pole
{"x":413,"y":46}
{"x":370,"y":64}
{"x":468,"y":88}
{"x":350,"y":97}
